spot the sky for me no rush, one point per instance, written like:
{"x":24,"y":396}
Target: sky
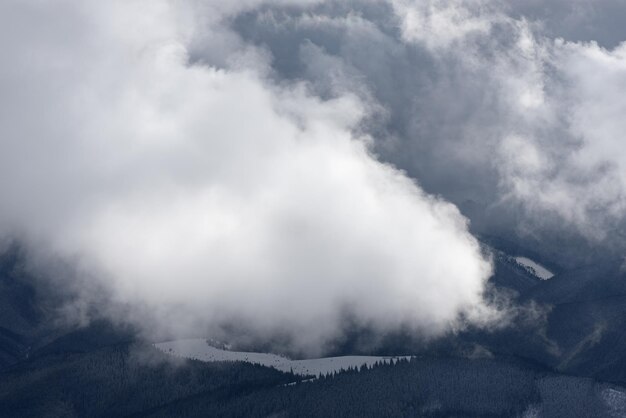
{"x":281,"y":167}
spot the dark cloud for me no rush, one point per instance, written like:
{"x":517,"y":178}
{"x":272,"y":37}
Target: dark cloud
{"x":576,"y":20}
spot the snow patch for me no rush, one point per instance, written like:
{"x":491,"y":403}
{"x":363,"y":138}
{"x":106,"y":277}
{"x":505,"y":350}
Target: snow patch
{"x":199,"y":349}
{"x":534,"y":268}
{"x":615,"y":400}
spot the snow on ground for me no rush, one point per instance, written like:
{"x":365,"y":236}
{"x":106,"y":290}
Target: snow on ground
{"x":616,"y":402}
{"x":199,"y":349}
{"x":535,"y":268}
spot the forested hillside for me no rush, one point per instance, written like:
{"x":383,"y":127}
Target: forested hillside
{"x":121,"y":380}
{"x":106,"y":370}
{"x":138,"y":380}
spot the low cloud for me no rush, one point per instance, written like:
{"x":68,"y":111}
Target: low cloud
{"x":201,"y":193}
{"x":509,"y":110}
{"x":283,"y":165}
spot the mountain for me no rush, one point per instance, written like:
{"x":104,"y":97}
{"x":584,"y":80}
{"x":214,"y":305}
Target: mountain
{"x":139,"y":380}
{"x":21,"y":314}
{"x":563,"y":355}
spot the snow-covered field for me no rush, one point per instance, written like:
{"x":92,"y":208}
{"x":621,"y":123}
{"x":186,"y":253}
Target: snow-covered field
{"x":535,"y":268}
{"x":199,"y":349}
{"x":616,"y":401}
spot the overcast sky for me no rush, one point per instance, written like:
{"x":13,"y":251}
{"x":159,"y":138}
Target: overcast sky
{"x":285,"y":164}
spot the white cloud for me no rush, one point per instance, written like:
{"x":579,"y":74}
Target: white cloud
{"x":204,"y":194}
{"x":441,"y":23}
{"x":554,"y":127}
{"x":579,"y":167}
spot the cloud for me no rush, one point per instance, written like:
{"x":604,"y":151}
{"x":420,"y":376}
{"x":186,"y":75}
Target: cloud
{"x":257,"y":162}
{"x":177,"y":174}
{"x":440,"y":24}
{"x":555,"y":140}
{"x":575,"y":20}
{"x":508,"y":110}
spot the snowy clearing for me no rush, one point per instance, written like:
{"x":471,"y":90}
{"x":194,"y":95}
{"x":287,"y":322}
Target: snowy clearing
{"x":534,"y":268}
{"x":199,"y":349}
